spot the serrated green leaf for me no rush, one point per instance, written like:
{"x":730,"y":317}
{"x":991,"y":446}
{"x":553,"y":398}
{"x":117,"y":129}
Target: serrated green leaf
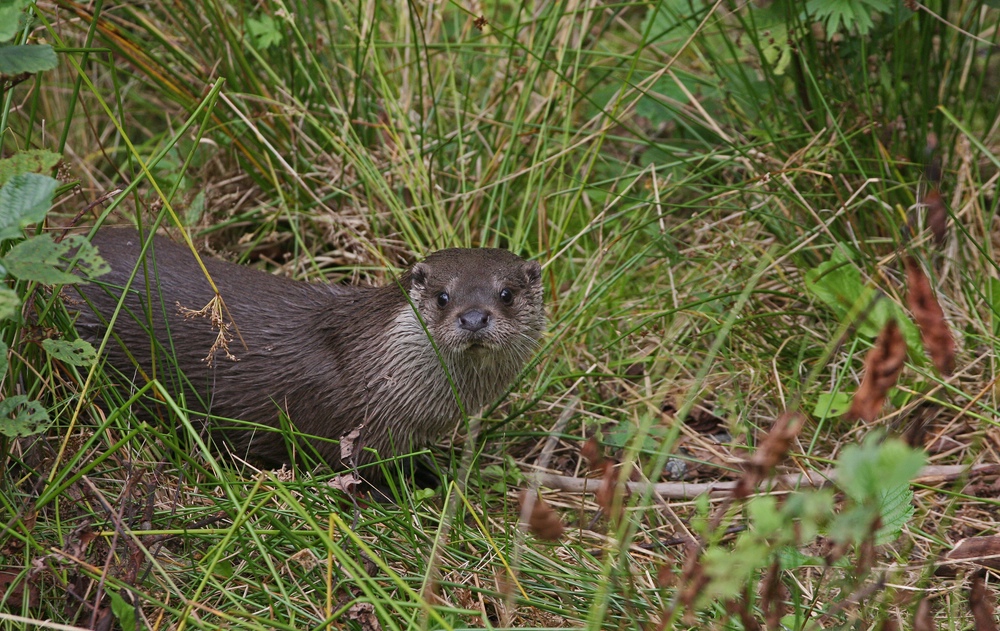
{"x":38,"y":259}
{"x":33,"y":161}
{"x":74,"y":352}
{"x":896,"y":509}
{"x":764,"y":515}
{"x":9,"y":303}
{"x":728,"y":570}
{"x":854,"y":15}
{"x":30,"y":58}
{"x":24,"y":200}
{"x":3,"y":360}
{"x":866,"y":471}
{"x":20,"y":416}
{"x":10,"y":18}
{"x":88,"y":260}
{"x":791,"y":558}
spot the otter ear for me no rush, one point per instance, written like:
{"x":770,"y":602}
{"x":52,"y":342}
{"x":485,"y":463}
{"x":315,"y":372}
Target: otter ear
{"x":533,"y":272}
{"x":418,"y":276}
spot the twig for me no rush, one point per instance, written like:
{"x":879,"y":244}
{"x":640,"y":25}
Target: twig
{"x":691,"y":490}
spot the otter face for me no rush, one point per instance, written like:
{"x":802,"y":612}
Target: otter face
{"x":480,"y":300}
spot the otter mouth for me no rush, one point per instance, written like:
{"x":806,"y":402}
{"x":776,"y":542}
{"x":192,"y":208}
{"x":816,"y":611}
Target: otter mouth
{"x":479,"y":346}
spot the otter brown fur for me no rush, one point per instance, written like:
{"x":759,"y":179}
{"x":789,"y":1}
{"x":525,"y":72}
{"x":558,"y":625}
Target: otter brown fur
{"x":331,"y":358}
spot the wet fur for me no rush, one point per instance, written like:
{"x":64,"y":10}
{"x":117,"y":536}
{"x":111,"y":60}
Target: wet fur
{"x":332,"y":358}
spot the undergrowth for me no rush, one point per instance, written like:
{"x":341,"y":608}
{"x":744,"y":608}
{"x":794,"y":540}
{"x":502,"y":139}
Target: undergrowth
{"x":723,"y":197}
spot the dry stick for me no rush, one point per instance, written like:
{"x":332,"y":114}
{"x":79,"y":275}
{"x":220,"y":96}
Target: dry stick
{"x":687,"y":491}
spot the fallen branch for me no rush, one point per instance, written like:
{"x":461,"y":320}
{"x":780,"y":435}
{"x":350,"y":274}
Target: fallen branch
{"x":690,"y":490}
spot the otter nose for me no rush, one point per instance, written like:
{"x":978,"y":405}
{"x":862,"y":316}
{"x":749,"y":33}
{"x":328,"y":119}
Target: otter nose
{"x":474,"y":320}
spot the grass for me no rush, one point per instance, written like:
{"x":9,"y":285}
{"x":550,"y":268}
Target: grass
{"x":685,"y":178}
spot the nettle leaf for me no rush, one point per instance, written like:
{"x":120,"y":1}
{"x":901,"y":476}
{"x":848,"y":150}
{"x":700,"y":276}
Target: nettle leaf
{"x":10,"y":18}
{"x":20,"y":416}
{"x":30,"y":58}
{"x":38,"y":259}
{"x":33,"y":161}
{"x":88,"y":259}
{"x":9,"y":302}
{"x":74,"y":352}
{"x":24,"y":200}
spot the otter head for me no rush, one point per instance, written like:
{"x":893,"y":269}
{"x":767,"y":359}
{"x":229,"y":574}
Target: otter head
{"x":480,"y":300}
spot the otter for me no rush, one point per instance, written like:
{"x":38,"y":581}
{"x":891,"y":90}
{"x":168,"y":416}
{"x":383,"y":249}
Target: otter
{"x":391,"y":368}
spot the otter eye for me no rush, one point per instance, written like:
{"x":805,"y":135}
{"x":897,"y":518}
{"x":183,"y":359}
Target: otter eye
{"x":442,"y":299}
{"x":506,"y":296}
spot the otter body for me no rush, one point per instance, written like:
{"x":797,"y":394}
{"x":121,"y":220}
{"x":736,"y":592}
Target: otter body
{"x":334,"y":360}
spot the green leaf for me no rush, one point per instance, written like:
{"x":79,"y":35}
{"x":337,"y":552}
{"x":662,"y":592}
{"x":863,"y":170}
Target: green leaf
{"x":124,"y":612}
{"x":831,"y":404}
{"x":33,"y":161}
{"x":9,"y":302}
{"x":88,"y":259}
{"x":764,"y":515}
{"x":264,"y":31}
{"x":10,"y":18}
{"x":838,"y":284}
{"x":30,"y":58}
{"x":20,"y":416}
{"x":896,"y":509}
{"x":729,"y":570}
{"x":24,"y":200}
{"x":195,"y":210}
{"x":852,"y":14}
{"x":3,"y":360}
{"x":74,"y":352}
{"x":866,"y":471}
{"x":38,"y":259}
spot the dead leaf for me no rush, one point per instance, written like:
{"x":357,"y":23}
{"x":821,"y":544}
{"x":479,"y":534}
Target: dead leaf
{"x":770,"y":453}
{"x":12,"y":591}
{"x":346,"y":482}
{"x":305,"y":558}
{"x":609,"y":488}
{"x":930,"y":317}
{"x":347,"y":443}
{"x":883,"y":364}
{"x":364,"y":614}
{"x":591,"y":452}
{"x":605,"y":494}
{"x":981,"y":604}
{"x":543,"y":522}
